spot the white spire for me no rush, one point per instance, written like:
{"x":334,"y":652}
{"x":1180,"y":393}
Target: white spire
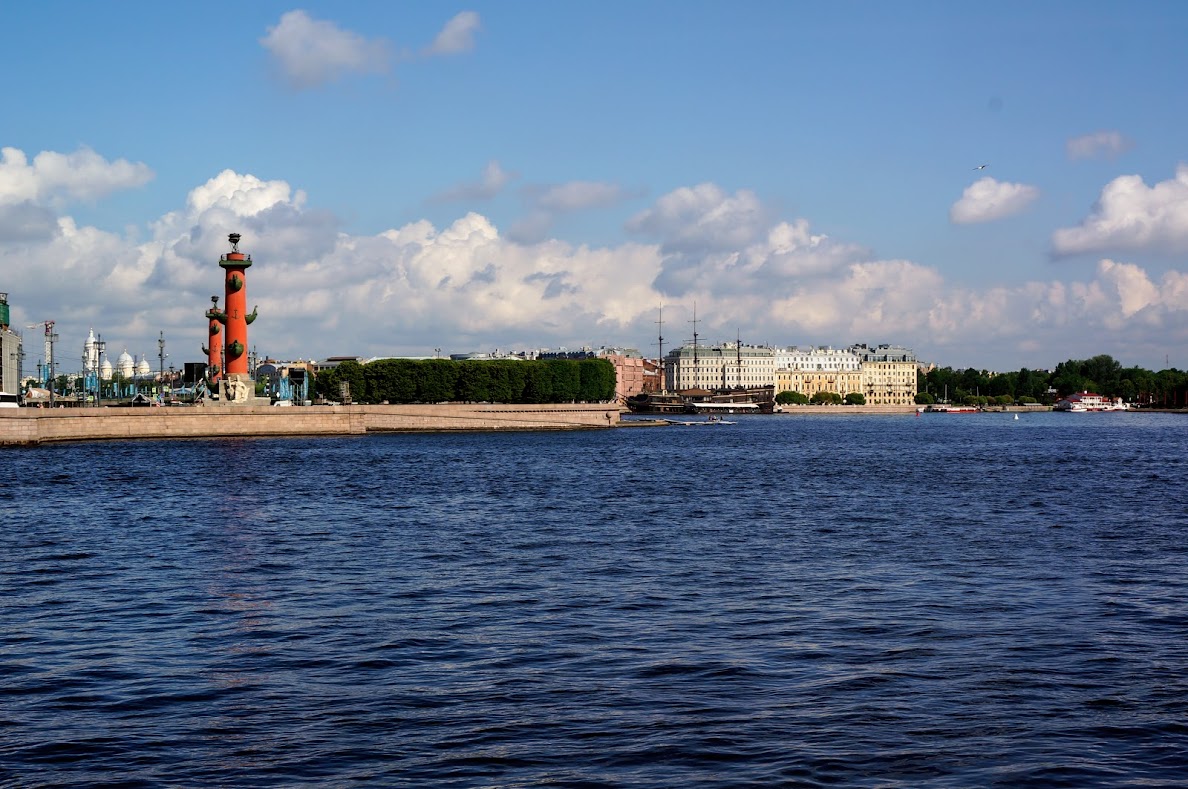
{"x":90,"y":353}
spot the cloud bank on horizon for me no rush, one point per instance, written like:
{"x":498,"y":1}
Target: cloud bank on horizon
{"x":466,"y":286}
{"x":751,"y":266}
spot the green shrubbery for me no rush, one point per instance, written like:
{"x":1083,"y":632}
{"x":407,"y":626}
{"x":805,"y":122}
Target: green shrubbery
{"x":792,"y":398}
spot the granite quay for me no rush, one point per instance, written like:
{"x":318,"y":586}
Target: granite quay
{"x":39,"y":425}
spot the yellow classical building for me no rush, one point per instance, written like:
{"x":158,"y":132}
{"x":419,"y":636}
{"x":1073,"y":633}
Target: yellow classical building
{"x":888,"y":375}
{"x":884,"y":375}
{"x":809,"y":382}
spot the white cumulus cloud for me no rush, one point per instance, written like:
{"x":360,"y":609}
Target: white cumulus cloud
{"x":1102,"y":144}
{"x":54,"y":178}
{"x":457,"y":35}
{"x":466,"y":285}
{"x":1133,"y":286}
{"x":988,"y":199}
{"x":312,"y":52}
{"x":702,"y":216}
{"x":242,"y":195}
{"x":33,"y":193}
{"x":1132,"y":216}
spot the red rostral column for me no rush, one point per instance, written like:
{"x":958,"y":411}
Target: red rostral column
{"x":214,"y":354}
{"x":235,"y":308}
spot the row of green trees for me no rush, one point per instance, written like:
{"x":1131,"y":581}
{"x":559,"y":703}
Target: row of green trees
{"x":495,"y":381}
{"x":1101,"y":374}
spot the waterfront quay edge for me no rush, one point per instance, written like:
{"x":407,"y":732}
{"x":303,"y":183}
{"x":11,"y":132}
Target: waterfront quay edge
{"x":27,"y":426}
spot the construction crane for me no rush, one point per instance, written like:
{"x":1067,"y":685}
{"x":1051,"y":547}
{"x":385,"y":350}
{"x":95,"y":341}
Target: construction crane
{"x":50,"y":338}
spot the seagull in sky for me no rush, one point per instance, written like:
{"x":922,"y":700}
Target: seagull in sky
{"x":980,"y":167}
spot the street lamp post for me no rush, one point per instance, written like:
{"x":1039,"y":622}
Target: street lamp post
{"x":160,"y":355}
{"x":100,"y":347}
{"x":53,"y":338}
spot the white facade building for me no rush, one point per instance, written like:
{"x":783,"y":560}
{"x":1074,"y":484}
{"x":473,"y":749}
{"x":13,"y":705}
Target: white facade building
{"x":811,"y":370}
{"x":12,"y":352}
{"x":730,"y":365}
{"x":817,"y":359}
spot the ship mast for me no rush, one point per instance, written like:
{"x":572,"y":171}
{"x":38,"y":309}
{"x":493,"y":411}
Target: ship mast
{"x":696,"y":361}
{"x":738,"y":350}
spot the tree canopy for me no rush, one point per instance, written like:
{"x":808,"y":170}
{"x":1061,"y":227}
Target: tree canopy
{"x":1101,"y":374}
{"x":444,"y":380}
{"x":792,"y":398}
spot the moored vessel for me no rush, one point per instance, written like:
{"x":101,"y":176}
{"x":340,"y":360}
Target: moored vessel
{"x":656,"y":403}
{"x":1082,"y":402}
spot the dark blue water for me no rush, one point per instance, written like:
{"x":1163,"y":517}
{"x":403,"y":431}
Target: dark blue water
{"x":863,"y":601}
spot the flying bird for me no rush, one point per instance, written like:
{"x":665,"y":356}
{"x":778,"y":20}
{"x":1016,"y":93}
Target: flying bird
{"x":980,"y":167}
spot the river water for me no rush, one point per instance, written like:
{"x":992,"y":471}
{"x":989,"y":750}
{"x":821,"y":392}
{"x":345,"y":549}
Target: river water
{"x":942,"y":600}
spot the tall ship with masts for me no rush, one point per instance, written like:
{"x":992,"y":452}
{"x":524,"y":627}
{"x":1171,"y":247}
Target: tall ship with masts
{"x":725,"y":378}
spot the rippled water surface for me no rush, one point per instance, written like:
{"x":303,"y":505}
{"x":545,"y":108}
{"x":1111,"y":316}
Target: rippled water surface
{"x":944,"y":600}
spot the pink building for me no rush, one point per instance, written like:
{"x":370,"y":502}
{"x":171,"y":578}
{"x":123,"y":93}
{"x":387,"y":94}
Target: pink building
{"x":653,"y":376}
{"x":633,"y":373}
{"x":629,"y":374}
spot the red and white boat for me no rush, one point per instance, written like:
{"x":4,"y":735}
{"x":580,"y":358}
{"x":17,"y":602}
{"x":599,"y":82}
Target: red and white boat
{"x":1089,"y":401}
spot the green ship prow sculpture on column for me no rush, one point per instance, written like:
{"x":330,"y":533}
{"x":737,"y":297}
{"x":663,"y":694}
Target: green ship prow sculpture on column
{"x":230,"y":373}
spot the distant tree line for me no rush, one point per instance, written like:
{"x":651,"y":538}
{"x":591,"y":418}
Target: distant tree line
{"x":1101,"y":374}
{"x":494,"y":381}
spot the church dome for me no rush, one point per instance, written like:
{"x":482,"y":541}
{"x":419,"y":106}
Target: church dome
{"x":125,"y":365}
{"x":143,"y":367}
{"x":105,"y":370}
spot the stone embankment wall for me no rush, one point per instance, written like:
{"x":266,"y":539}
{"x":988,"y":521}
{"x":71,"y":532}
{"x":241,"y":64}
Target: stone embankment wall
{"x":37,"y":425}
{"x":841,"y":410}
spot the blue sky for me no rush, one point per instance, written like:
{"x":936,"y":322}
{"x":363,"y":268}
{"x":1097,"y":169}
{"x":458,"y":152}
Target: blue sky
{"x":526,"y":174}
